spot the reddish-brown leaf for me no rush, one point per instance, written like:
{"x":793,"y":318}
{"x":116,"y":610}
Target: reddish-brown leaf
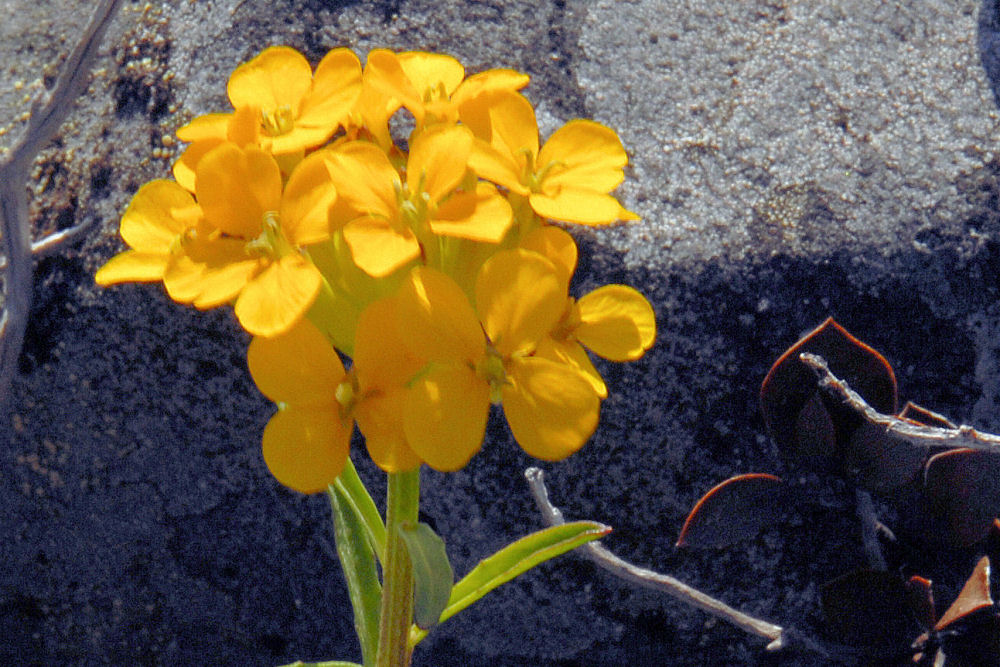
{"x":975,"y":595}
{"x":921,"y":415}
{"x":790,"y":386}
{"x":869,"y":609}
{"x":920,"y":599}
{"x":963,"y":486}
{"x":880,"y":463}
{"x":733,"y":510}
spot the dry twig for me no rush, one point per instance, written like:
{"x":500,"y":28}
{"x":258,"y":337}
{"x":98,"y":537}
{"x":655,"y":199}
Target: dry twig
{"x":47,"y":114}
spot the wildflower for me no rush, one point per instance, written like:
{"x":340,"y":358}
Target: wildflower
{"x":614,"y":322}
{"x":432,"y":86}
{"x":475,"y":360}
{"x":306,"y":443}
{"x":568,"y":179}
{"x":384,"y":220}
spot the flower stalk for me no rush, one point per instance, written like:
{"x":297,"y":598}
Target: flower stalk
{"x":402,"y":501}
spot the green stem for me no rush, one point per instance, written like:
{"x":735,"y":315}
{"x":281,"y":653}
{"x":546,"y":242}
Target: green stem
{"x":403,"y":499}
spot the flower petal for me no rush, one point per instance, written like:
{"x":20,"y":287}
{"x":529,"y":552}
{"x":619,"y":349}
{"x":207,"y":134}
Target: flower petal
{"x":514,"y":128}
{"x":555,"y":244}
{"x":299,"y":367}
{"x":132,"y":266}
{"x":382,"y":359}
{"x":571,"y":353}
{"x":235,"y":187}
{"x":159,"y":212}
{"x":365,"y":181}
{"x":489,"y":81}
{"x":436,"y":320}
{"x":429,"y":71}
{"x":184,"y":168}
{"x":207,"y":126}
{"x":438,"y":161}
{"x":306,"y":202}
{"x":496,"y":166}
{"x":584,"y":207}
{"x":277,"y":76}
{"x":445,"y":416}
{"x":617,"y":323}
{"x":305,"y":448}
{"x":482,"y":216}
{"x":588,"y":155}
{"x":384,"y":73}
{"x":377,"y":248}
{"x":279,"y":296}
{"x":380,"y":419}
{"x":336,"y":86}
{"x":520,"y":298}
{"x":227,"y":269}
{"x":552,"y":409}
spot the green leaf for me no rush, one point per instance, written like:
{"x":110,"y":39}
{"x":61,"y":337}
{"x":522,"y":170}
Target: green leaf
{"x":513,"y":560}
{"x":357,"y":559}
{"x":329,"y":663}
{"x":432,"y":573}
{"x":355,"y":494}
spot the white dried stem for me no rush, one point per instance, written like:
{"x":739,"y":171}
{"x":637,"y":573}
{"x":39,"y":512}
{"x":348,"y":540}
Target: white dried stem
{"x":47,"y":114}
{"x":900,"y":429}
{"x":779,"y":637}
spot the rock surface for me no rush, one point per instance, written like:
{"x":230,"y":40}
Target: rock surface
{"x":790,"y":160}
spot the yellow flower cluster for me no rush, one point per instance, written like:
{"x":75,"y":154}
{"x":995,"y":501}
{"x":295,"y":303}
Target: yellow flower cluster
{"x":434,"y":267}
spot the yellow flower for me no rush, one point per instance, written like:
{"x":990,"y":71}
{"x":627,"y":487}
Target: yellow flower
{"x":385,"y":220}
{"x":551,"y":409}
{"x":614,"y":322}
{"x":253,"y":251}
{"x":306,"y":443}
{"x":432,"y":86}
{"x":568,"y":179}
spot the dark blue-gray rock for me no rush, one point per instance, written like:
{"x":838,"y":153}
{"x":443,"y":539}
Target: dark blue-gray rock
{"x":790,"y":161}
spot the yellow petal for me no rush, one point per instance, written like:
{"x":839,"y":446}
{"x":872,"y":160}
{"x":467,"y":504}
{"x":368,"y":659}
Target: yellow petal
{"x":244,"y":127}
{"x":570,"y":353}
{"x":382,"y":359}
{"x":182,"y":277}
{"x":278,"y":296}
{"x":132,"y":266}
{"x":552,"y":409}
{"x":436,"y":320}
{"x":488,"y":81}
{"x":377,"y":249}
{"x":277,"y":76}
{"x":208,"y":126}
{"x":445,"y":416}
{"x":306,"y":448}
{"x":335,"y":88}
{"x":235,"y":187}
{"x":438,"y":160}
{"x":306,"y":202}
{"x":617,"y":323}
{"x":380,"y":419}
{"x":365,"y":181}
{"x":384,"y":73}
{"x":584,"y":207}
{"x":298,"y":367}
{"x":300,"y":138}
{"x":589,"y":156}
{"x":481,"y":216}
{"x":227,"y":269}
{"x":514,"y":129}
{"x":520,"y":298}
{"x":555,"y":244}
{"x":428,"y":71}
{"x":185,"y":167}
{"x":495,"y":166}
{"x":159,"y":212}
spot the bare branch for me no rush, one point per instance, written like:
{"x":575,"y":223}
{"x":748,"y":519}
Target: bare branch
{"x":48,"y":113}
{"x":869,"y":530}
{"x":779,"y":637}
{"x":901,"y":429}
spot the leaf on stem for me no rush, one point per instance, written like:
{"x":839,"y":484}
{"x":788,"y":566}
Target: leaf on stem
{"x":432,"y":574}
{"x":731,"y":511}
{"x":963,"y":486}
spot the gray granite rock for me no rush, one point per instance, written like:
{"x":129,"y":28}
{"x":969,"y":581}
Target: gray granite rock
{"x":790,"y":161}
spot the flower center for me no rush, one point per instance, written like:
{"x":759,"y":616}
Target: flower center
{"x":491,"y":369}
{"x":278,"y":122}
{"x":271,"y":243}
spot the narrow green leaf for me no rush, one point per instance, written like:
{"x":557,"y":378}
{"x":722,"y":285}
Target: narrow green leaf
{"x":364,"y":507}
{"x":358,"y":562}
{"x":329,"y":663}
{"x":432,"y":573}
{"x":513,"y":560}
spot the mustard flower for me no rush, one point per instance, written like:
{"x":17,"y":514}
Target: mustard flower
{"x":568,"y":179}
{"x":307,"y":442}
{"x":385,"y":220}
{"x":432,"y":86}
{"x":478,"y":359}
{"x":614,"y":322}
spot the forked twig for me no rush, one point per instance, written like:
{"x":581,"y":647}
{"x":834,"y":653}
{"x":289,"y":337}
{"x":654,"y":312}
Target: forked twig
{"x":901,"y":429}
{"x":778,"y":636}
{"x":47,"y":114}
